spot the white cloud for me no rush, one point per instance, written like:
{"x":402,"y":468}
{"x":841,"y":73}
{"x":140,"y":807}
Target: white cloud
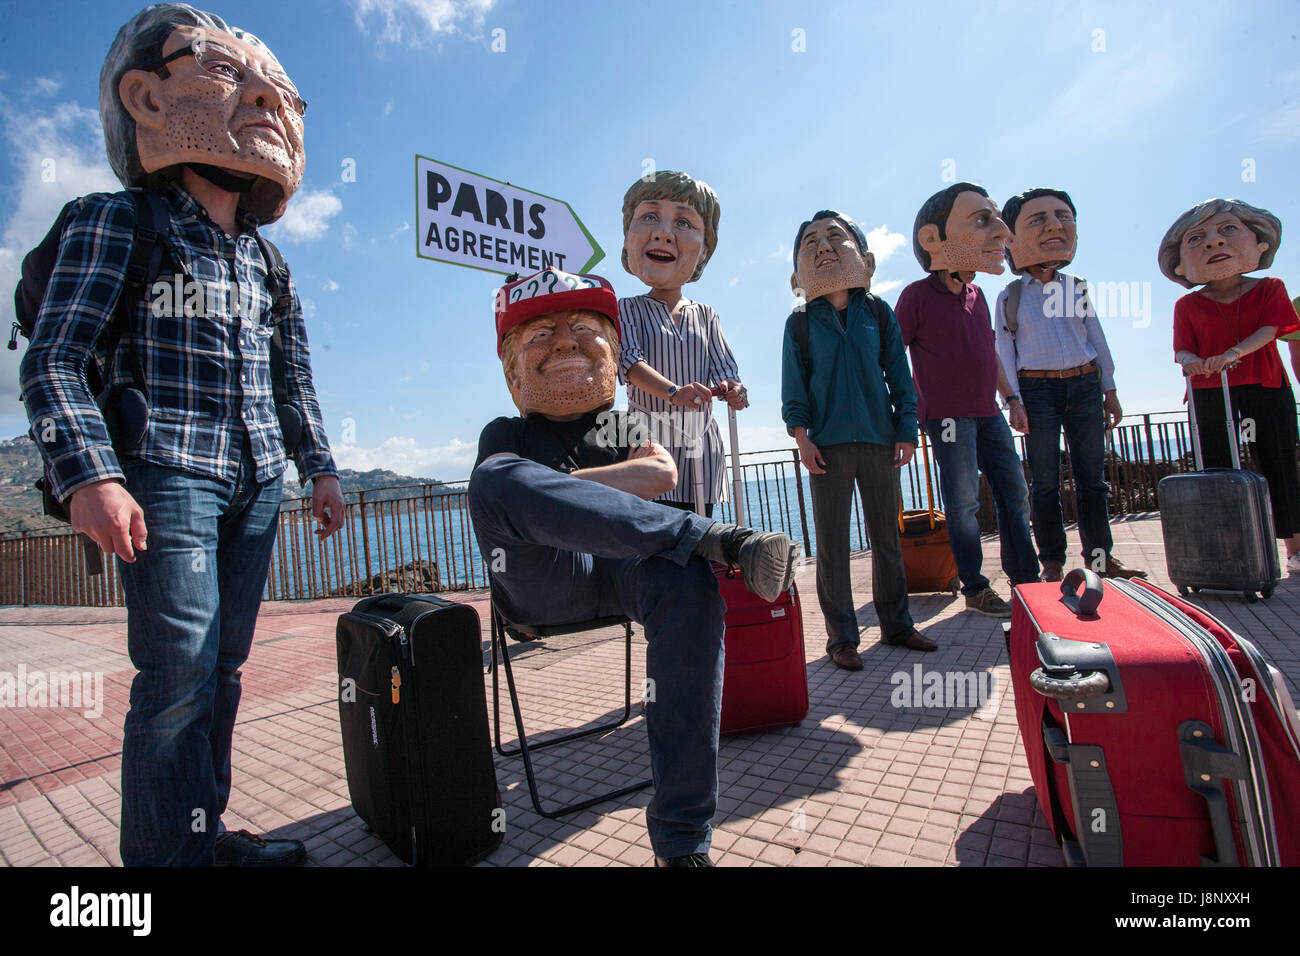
{"x":44,"y":86}
{"x":1283,"y":123}
{"x":349,"y":236}
{"x":307,"y":216}
{"x":880,"y":288}
{"x":884,"y":243}
{"x":406,"y":457}
{"x":330,"y":286}
{"x":1117,"y":90}
{"x":416,"y":21}
{"x":398,"y":231}
{"x":57,"y":155}
{"x":388,"y":108}
{"x":735,"y":281}
{"x":781,"y":251}
{"x":761,"y":438}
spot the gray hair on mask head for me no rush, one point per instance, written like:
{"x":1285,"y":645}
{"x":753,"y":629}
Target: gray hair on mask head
{"x":138,"y":45}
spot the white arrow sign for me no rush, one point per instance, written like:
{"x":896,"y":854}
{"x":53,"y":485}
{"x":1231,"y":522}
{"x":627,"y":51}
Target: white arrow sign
{"x":471,"y":220}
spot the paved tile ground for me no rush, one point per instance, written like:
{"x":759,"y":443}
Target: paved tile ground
{"x":860,"y":781}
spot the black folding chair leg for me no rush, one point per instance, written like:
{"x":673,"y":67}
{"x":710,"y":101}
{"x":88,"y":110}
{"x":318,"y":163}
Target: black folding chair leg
{"x":499,"y":647}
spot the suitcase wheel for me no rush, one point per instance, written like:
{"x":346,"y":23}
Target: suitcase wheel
{"x":1076,"y":686}
{"x":1266,"y":594}
{"x":1250,"y":597}
{"x":1183,"y":591}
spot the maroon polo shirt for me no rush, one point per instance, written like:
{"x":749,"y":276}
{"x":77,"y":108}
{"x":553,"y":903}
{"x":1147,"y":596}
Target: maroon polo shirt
{"x":950,"y":341}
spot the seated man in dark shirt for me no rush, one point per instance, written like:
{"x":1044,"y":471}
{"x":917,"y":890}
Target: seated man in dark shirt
{"x":560,"y":500}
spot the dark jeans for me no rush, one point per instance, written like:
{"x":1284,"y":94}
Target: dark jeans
{"x":983,"y":445}
{"x":191,"y":599}
{"x":1072,"y":404}
{"x":687,"y":506}
{"x":573,"y":550}
{"x":1272,"y":411}
{"x":872,"y":468}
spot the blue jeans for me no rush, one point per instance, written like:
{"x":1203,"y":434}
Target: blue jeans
{"x":1072,"y":404}
{"x":192,"y":599}
{"x":572,"y":550}
{"x":983,"y":445}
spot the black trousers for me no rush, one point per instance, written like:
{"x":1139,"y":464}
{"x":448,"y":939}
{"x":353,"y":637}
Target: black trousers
{"x":1270,"y":414}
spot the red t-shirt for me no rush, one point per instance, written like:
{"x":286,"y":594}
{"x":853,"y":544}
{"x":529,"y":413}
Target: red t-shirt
{"x":1208,"y":328}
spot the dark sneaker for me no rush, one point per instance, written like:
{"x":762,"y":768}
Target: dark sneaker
{"x":691,"y":860}
{"x":767,"y":559}
{"x":1053,"y":571}
{"x":986,"y":602}
{"x":244,"y":849}
{"x":1116,"y":569}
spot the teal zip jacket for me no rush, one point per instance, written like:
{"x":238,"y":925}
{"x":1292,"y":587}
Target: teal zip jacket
{"x":856,"y":390}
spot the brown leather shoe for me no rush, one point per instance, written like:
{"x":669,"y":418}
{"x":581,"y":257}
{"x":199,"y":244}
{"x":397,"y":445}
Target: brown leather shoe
{"x":1116,"y":569}
{"x":914,"y":640}
{"x":847,"y":657}
{"x":1053,"y":571}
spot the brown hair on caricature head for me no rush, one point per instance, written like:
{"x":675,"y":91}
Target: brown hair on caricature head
{"x":1266,"y":227}
{"x":673,"y":186}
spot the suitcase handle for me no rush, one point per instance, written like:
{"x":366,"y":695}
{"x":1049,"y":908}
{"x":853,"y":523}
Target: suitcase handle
{"x":1082,"y":604}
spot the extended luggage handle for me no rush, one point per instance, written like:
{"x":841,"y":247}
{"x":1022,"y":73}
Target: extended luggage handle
{"x":1083,"y":604}
{"x":929,"y":489}
{"x":1197,"y":458}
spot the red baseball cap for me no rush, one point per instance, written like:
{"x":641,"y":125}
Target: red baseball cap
{"x":553,"y":290}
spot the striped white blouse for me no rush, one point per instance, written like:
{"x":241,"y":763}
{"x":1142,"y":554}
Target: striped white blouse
{"x":694,"y":352}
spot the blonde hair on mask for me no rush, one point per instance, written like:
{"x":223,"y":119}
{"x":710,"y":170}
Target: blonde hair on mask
{"x":673,"y":186}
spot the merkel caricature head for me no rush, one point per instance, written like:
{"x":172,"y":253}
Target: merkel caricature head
{"x":1218,"y":239}
{"x":179,"y":86}
{"x":830,"y":255}
{"x":1043,"y":229}
{"x":670,"y":229}
{"x":558,"y":340}
{"x":958,"y":229}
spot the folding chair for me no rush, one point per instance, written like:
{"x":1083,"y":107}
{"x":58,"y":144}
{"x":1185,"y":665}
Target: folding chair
{"x":500,"y":630}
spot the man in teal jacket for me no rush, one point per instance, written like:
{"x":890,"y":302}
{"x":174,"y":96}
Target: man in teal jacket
{"x":849,"y":401}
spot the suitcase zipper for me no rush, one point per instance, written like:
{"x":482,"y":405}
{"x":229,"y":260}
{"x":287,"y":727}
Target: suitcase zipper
{"x":1239,"y":725}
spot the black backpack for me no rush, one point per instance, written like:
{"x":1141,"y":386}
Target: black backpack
{"x":126,"y":409}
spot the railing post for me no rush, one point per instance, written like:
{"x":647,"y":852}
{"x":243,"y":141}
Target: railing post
{"x":798,"y":484}
{"x":24,"y":570}
{"x":365,"y":539}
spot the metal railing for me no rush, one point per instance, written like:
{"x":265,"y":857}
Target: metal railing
{"x":420,"y":538}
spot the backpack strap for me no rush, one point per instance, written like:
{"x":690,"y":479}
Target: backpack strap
{"x":1011,"y":316}
{"x":277,"y":286}
{"x":148,"y":247}
{"x":881,"y":314}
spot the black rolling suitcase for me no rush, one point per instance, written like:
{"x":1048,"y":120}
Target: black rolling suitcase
{"x":415,"y":731}
{"x":1218,"y":522}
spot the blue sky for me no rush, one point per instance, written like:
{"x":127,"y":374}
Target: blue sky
{"x":1139,"y":110}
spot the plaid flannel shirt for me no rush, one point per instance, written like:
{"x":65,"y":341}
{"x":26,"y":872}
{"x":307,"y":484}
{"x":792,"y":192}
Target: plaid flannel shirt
{"x":207,"y":373}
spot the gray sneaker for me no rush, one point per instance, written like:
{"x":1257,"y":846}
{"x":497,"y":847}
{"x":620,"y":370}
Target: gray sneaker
{"x":767,"y":560}
{"x":988,"y":603}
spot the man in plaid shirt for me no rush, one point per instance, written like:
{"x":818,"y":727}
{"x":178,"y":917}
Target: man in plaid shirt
{"x":204,"y":115}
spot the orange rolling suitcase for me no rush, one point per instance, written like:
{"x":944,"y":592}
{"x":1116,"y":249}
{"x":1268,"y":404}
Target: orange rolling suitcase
{"x":927,"y":554}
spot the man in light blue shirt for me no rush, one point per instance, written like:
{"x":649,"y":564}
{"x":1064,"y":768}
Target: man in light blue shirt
{"x":1050,"y":342}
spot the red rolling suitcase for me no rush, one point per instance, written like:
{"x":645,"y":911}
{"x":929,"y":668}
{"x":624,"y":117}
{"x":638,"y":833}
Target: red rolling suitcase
{"x":1155,"y":735}
{"x":765,"y":682}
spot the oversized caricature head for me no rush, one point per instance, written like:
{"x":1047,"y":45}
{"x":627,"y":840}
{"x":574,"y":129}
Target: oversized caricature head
{"x":670,"y":229}
{"x":181,"y":87}
{"x":1219,"y":239}
{"x":958,"y":230}
{"x":557,"y":337}
{"x":830,"y":255}
{"x":1043,"y":229}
